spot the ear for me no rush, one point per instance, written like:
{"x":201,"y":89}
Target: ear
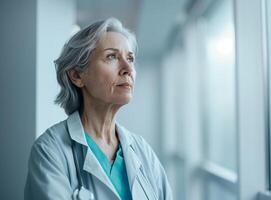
{"x":75,"y":78}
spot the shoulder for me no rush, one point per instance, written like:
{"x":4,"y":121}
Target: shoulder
{"x":143,"y":150}
{"x":151,"y":165}
{"x":141,"y":146}
{"x":137,"y":142}
{"x":49,"y":165}
{"x":52,"y":145}
{"x":56,"y":134}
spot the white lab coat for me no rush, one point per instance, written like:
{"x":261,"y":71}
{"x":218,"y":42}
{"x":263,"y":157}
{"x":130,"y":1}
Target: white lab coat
{"x":52,"y":172}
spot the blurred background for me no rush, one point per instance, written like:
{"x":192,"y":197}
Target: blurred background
{"x":201,"y":97}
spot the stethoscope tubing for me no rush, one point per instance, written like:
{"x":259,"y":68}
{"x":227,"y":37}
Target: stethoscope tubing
{"x":82,"y":185}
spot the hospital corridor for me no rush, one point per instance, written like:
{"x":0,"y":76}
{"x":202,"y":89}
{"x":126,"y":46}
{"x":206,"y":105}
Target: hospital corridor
{"x":201,"y":101}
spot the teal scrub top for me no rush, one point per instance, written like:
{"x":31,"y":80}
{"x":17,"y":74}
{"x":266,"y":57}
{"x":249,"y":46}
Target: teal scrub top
{"x":116,"y":171}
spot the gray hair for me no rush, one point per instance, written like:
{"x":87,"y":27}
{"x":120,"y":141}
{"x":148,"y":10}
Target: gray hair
{"x":75,"y":55}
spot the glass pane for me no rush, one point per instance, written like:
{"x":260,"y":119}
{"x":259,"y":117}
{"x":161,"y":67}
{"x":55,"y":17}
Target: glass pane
{"x":220,"y":86}
{"x":215,"y":192}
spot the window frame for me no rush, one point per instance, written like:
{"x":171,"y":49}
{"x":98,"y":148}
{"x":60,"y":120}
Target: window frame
{"x":267,"y":41}
{"x":253,"y":115}
{"x":264,"y":195}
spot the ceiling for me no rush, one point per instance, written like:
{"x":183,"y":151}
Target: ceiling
{"x":151,"y":20}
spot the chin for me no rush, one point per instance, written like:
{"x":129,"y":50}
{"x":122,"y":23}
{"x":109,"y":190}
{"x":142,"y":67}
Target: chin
{"x":124,"y":101}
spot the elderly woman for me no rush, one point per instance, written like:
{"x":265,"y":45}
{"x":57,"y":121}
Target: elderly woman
{"x":89,"y":155}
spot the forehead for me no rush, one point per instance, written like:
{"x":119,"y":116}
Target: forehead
{"x":114,"y":40}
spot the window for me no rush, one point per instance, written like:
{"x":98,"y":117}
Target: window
{"x":220,"y":111}
{"x":219,"y":115}
{"x":222,"y":102}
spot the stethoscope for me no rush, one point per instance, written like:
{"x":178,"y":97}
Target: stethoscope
{"x":81,"y":193}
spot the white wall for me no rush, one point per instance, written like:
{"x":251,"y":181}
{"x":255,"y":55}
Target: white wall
{"x":55,"y":21}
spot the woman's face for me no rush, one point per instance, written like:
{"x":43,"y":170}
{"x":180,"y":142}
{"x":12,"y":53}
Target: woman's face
{"x":110,"y":75}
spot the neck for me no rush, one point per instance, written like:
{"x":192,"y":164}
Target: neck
{"x":98,"y":120}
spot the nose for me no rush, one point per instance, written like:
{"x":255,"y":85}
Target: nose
{"x":126,"y":68}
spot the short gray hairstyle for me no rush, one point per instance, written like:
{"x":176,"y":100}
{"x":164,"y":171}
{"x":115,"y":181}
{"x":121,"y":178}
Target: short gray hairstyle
{"x":76,"y":54}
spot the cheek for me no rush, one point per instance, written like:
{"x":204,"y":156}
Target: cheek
{"x":99,"y":87}
{"x":105,"y":79}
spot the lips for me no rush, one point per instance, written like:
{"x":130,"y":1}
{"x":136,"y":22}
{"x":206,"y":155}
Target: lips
{"x":125,"y":84}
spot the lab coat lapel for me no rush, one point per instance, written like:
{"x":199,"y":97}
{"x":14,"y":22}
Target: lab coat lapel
{"x":140,"y":188}
{"x":133,"y":167}
{"x":132,"y":162}
{"x":91,"y":164}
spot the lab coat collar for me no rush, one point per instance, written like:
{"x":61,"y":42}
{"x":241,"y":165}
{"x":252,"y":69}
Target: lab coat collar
{"x":76,"y":129}
{"x":91,"y":164}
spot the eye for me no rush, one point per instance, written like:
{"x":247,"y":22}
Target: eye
{"x":111,"y":57}
{"x":131,"y":59}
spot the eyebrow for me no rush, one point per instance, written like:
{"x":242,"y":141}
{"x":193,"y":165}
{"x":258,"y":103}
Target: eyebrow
{"x":114,"y":49}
